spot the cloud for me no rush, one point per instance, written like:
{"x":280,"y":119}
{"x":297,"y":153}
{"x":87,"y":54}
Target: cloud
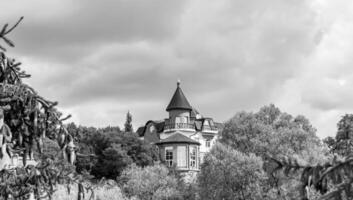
{"x":100,"y":59}
{"x":65,"y":28}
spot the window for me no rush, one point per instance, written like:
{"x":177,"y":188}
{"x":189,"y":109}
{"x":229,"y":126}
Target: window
{"x":208,"y":143}
{"x":211,"y":123}
{"x":169,"y":156}
{"x":192,"y":157}
{"x":206,"y":125}
{"x":198,"y":149}
{"x":181,"y":122}
{"x":181,"y":156}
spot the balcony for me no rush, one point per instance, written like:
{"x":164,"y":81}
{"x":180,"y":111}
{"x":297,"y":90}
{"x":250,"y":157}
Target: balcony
{"x":177,"y":126}
{"x":209,"y":129}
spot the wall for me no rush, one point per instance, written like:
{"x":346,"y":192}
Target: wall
{"x":175,"y":155}
{"x":177,"y":113}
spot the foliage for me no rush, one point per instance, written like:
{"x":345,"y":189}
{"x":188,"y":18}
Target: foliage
{"x":113,"y":150}
{"x":128,"y":125}
{"x":151,"y":182}
{"x":272,"y":132}
{"x":337,"y":172}
{"x":342,"y":144}
{"x":39,"y":181}
{"x":30,"y":119}
{"x":333,"y":178}
{"x":86,"y":158}
{"x":269,"y":131}
{"x":230,"y":174}
{"x":129,"y":148}
{"x":3,"y":34}
{"x":113,"y":161}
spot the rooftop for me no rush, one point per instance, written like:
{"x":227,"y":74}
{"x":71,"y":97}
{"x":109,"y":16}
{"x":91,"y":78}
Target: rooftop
{"x":179,"y":100}
{"x":178,"y":138}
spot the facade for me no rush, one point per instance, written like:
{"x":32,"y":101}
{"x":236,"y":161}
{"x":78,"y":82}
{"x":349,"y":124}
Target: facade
{"x":184,"y":137}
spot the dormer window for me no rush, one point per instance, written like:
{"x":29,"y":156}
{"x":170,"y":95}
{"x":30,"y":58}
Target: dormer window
{"x":206,"y":125}
{"x":211,"y":123}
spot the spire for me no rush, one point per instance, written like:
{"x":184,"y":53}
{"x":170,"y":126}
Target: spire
{"x":179,"y":100}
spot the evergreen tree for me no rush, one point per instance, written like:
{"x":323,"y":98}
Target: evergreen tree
{"x":128,"y":125}
{"x":28,"y":119}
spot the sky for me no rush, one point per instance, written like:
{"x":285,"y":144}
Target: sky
{"x":100,"y":59}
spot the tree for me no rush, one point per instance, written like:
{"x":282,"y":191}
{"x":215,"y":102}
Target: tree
{"x":342,"y":144}
{"x":269,"y":131}
{"x":125,"y":147}
{"x":113,"y":161}
{"x":333,"y":179}
{"x":128,"y":125}
{"x":30,"y":119}
{"x":272,"y":132}
{"x":230,"y":174}
{"x":151,"y":182}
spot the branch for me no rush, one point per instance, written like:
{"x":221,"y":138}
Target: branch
{"x":4,"y":32}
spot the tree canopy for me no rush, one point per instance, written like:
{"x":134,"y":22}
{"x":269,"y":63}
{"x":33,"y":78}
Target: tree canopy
{"x":229,"y":174}
{"x":271,"y":133}
{"x":128,"y":124}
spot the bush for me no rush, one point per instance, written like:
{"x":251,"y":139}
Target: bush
{"x":152,"y":182}
{"x":229,"y":174}
{"x":112,"y":162}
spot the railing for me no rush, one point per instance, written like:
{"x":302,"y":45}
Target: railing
{"x":209,"y":128}
{"x":179,"y":126}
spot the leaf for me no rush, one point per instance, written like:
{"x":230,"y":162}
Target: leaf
{"x":2,"y":48}
{"x":3,"y":30}
{"x":8,"y":41}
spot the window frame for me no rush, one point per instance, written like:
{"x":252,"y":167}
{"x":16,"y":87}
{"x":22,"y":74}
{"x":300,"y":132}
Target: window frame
{"x":169,"y":156}
{"x":208,"y":143}
{"x":193,"y":157}
{"x":182,"y":151}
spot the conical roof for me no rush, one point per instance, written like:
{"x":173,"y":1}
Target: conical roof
{"x":179,"y":100}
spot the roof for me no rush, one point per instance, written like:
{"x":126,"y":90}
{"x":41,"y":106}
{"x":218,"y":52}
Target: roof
{"x":178,"y":138}
{"x":158,"y":124}
{"x":140,"y":131}
{"x":194,"y":113}
{"x":179,"y":100}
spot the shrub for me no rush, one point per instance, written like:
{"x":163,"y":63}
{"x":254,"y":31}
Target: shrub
{"x":152,"y":182}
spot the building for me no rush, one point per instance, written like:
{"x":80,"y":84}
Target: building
{"x":184,"y":137}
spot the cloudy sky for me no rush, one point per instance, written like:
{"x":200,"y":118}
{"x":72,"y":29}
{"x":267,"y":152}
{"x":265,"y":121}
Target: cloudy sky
{"x":100,"y":59}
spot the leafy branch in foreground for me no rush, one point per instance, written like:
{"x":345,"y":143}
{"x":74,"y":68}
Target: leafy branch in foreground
{"x":5,"y":30}
{"x":38,"y":181}
{"x":338,"y":173}
{"x":26,"y":118}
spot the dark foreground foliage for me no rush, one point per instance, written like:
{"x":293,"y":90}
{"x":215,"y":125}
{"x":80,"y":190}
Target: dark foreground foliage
{"x":29,"y":120}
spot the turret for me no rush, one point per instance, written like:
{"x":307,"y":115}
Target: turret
{"x":179,"y":110}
